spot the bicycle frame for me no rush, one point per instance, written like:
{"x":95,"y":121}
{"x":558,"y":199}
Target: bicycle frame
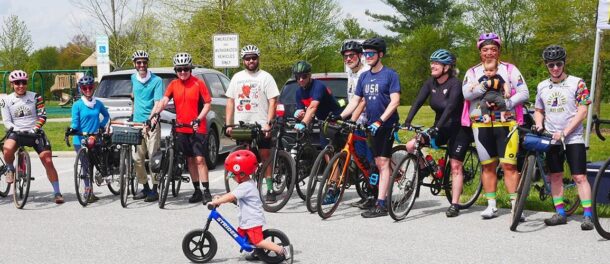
{"x":349,"y":149}
{"x":242,"y":241}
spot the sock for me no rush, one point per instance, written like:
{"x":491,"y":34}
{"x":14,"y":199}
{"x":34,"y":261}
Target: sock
{"x":10,"y":167}
{"x":586,"y":205}
{"x":206,"y":186}
{"x":56,"y":187}
{"x":558,"y":202}
{"x":381,"y":202}
{"x":513,"y":199}
{"x":491,"y":199}
{"x":196,"y":185}
{"x":146,"y":187}
{"x":269,"y":182}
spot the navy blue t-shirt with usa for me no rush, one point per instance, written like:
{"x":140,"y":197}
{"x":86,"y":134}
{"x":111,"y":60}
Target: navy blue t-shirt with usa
{"x":376,"y":88}
{"x":317,"y":91}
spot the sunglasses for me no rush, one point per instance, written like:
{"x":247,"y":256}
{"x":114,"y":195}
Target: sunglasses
{"x":20,"y":82}
{"x":303,"y":76}
{"x":251,"y":58}
{"x":369,"y":54}
{"x":552,"y":65}
{"x":142,"y":62}
{"x":86,"y":87}
{"x":182,"y":69}
{"x":349,"y":56}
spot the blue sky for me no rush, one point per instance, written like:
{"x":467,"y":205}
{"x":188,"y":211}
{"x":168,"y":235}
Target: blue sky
{"x":55,"y":22}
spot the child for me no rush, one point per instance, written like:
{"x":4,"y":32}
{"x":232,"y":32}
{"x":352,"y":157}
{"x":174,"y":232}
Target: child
{"x":240,"y":165}
{"x":497,"y":90}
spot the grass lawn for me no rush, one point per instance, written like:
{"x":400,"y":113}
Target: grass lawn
{"x":55,"y":132}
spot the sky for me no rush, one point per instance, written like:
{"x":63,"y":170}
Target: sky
{"x":55,"y":22}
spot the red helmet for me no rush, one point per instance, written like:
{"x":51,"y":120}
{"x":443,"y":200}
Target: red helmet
{"x":241,"y":163}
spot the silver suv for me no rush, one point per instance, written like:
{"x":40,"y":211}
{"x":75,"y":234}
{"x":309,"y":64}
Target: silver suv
{"x":115,"y":91}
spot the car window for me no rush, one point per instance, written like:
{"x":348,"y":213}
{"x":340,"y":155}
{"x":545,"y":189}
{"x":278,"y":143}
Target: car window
{"x":225,"y":82}
{"x":117,"y":86}
{"x":338,"y":86}
{"x":214,"y":84}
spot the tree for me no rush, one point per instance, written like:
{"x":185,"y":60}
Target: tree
{"x":15,"y":43}
{"x":413,"y":13}
{"x":351,"y":29}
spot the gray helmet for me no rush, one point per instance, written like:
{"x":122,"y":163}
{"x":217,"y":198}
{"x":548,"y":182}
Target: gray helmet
{"x":183,"y":59}
{"x":250,"y":50}
{"x":86,"y":80}
{"x":301,"y":67}
{"x":554,"y":53}
{"x":139,"y":54}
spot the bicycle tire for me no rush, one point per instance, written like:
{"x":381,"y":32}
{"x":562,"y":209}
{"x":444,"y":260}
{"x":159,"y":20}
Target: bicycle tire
{"x":23,"y":176}
{"x":337,"y":164}
{"x":602,"y":229}
{"x":166,"y":178}
{"x":133,"y":180}
{"x":302,"y":175}
{"x":525,"y":183}
{"x":176,"y":184}
{"x":472,"y":183}
{"x":195,"y":241}
{"x":283,"y":184}
{"x":277,"y":237}
{"x":124,"y":177}
{"x":317,"y":172}
{"x":113,"y":177}
{"x":405,"y":181}
{"x":81,"y":176}
{"x":571,"y":202}
{"x":4,"y":186}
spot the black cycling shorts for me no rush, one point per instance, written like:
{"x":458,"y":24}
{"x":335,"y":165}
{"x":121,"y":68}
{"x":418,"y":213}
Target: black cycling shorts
{"x":191,"y":145}
{"x":576,"y":154}
{"x":381,"y":143}
{"x":457,"y":140}
{"x":39,"y":142}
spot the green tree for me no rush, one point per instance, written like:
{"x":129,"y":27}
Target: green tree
{"x":413,"y":13}
{"x":15,"y":43}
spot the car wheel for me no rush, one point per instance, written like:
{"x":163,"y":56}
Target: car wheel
{"x":211,"y":156}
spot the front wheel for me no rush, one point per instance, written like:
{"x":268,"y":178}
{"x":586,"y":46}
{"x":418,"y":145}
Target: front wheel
{"x":403,"y":187}
{"x":113,"y":178}
{"x":199,"y":246}
{"x":21,"y":187}
{"x":276,"y":190}
{"x":472,"y":184}
{"x":124,"y":176}
{"x":211,"y":157}
{"x":277,"y":237}
{"x":317,"y":172}
{"x":523,"y":190}
{"x":83,"y":169}
{"x":601,"y":202}
{"x":332,"y":185}
{"x":4,"y":186}
{"x":166,"y":176}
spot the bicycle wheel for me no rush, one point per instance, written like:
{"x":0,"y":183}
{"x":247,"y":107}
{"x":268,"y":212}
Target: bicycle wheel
{"x":571,"y":199}
{"x":113,"y":178}
{"x":4,"y":186}
{"x":81,"y":175}
{"x":398,"y":153}
{"x":600,"y":202}
{"x":21,"y":187}
{"x":472,"y":184}
{"x":166,"y":177}
{"x":124,"y":176}
{"x":283,"y":177}
{"x":332,"y":185}
{"x":277,"y":237}
{"x":199,"y":246}
{"x":403,"y":187}
{"x":133,"y":180}
{"x":523,"y":190}
{"x":302,"y":169}
{"x":177,"y":182}
{"x":317,"y":172}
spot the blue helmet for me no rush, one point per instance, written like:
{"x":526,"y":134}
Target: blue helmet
{"x":86,"y":80}
{"x":443,"y":56}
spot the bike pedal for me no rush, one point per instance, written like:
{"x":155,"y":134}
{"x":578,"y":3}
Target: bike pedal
{"x":186,"y":179}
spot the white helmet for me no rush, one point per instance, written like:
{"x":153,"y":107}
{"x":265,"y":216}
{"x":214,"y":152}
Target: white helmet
{"x":139,"y":54}
{"x":249,"y":50}
{"x":183,"y":59}
{"x":18,"y":75}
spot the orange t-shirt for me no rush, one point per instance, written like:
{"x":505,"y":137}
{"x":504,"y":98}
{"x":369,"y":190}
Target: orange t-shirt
{"x":189,"y":97}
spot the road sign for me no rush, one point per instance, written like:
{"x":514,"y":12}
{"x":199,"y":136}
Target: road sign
{"x":102,"y":49}
{"x":226,"y":50}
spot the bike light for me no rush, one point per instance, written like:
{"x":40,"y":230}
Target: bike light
{"x":279,"y":110}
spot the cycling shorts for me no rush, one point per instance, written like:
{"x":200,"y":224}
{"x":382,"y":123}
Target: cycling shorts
{"x":381,"y":143}
{"x":456,"y":139}
{"x":491,"y":142}
{"x":38,"y":142}
{"x":576,"y":154}
{"x":191,"y":145}
{"x":254,"y":234}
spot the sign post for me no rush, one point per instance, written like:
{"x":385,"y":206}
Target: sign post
{"x":226,"y":51}
{"x":102,"y":50}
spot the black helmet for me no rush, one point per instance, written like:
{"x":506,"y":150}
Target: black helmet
{"x":351,"y":45}
{"x":301,"y":67}
{"x":377,"y":44}
{"x":554,"y":53}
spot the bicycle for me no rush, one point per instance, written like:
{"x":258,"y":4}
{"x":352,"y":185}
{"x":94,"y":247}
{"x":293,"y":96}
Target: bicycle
{"x":533,"y":165}
{"x":4,"y":186}
{"x":126,"y":135}
{"x":96,"y":153}
{"x":601,"y":191}
{"x":23,"y":173}
{"x":411,"y":172}
{"x":173,"y":164}
{"x":195,"y":242}
{"x":303,"y":153}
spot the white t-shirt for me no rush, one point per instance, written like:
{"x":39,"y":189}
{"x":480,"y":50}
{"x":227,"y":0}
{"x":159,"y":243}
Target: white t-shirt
{"x":251,"y":92}
{"x":352,"y":81}
{"x":560,"y":103}
{"x":251,"y":212}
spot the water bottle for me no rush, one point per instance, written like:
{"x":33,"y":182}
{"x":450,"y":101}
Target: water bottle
{"x":441,"y":168}
{"x":432,"y":163}
{"x":374,"y":178}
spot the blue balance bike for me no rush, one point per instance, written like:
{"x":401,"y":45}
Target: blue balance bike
{"x":200,"y":246}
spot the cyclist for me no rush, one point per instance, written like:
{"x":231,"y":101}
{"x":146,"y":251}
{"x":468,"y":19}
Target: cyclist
{"x":147,"y":92}
{"x":380,"y":88}
{"x":86,"y":119}
{"x":352,"y":57}
{"x":192,"y":100}
{"x":312,"y":99}
{"x":446,"y":99}
{"x":252,"y":97}
{"x":24,"y":111}
{"x":490,"y":138}
{"x":561,"y":107}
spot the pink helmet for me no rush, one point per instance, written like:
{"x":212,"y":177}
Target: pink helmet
{"x":18,"y":75}
{"x":489,"y":36}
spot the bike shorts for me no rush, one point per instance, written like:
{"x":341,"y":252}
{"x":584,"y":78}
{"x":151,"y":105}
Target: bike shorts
{"x":576,"y":154}
{"x":456,"y":139}
{"x":381,"y":143}
{"x":491,"y":142}
{"x":38,"y":142}
{"x":254,"y":234}
{"x":191,"y":145}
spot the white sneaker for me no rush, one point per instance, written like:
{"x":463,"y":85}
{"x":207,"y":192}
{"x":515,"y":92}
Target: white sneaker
{"x":489,"y":212}
{"x":288,"y":252}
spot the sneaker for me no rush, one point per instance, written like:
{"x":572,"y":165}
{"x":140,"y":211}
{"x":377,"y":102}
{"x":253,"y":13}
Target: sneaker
{"x":489,"y":213}
{"x":586,"y":224}
{"x":556,"y":219}
{"x":197,"y":197}
{"x":453,"y":211}
{"x":370,"y":203}
{"x":270,"y":197}
{"x":330,"y":198}
{"x":358,"y":203}
{"x":207,"y":197}
{"x":92,"y":198}
{"x":59,"y":199}
{"x":152,"y":196}
{"x":10,"y":176}
{"x":252,"y":256}
{"x":141,"y":195}
{"x":376,"y":211}
{"x":287,"y":252}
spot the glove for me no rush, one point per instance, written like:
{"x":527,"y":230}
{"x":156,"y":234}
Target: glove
{"x":69,"y":131}
{"x":195,"y":124}
{"x":36,"y":130}
{"x":374,"y":126}
{"x":299,"y":126}
{"x":297,"y":113}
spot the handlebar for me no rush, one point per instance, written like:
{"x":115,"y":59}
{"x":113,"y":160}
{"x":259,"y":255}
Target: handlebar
{"x":596,"y":123}
{"x":211,"y":206}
